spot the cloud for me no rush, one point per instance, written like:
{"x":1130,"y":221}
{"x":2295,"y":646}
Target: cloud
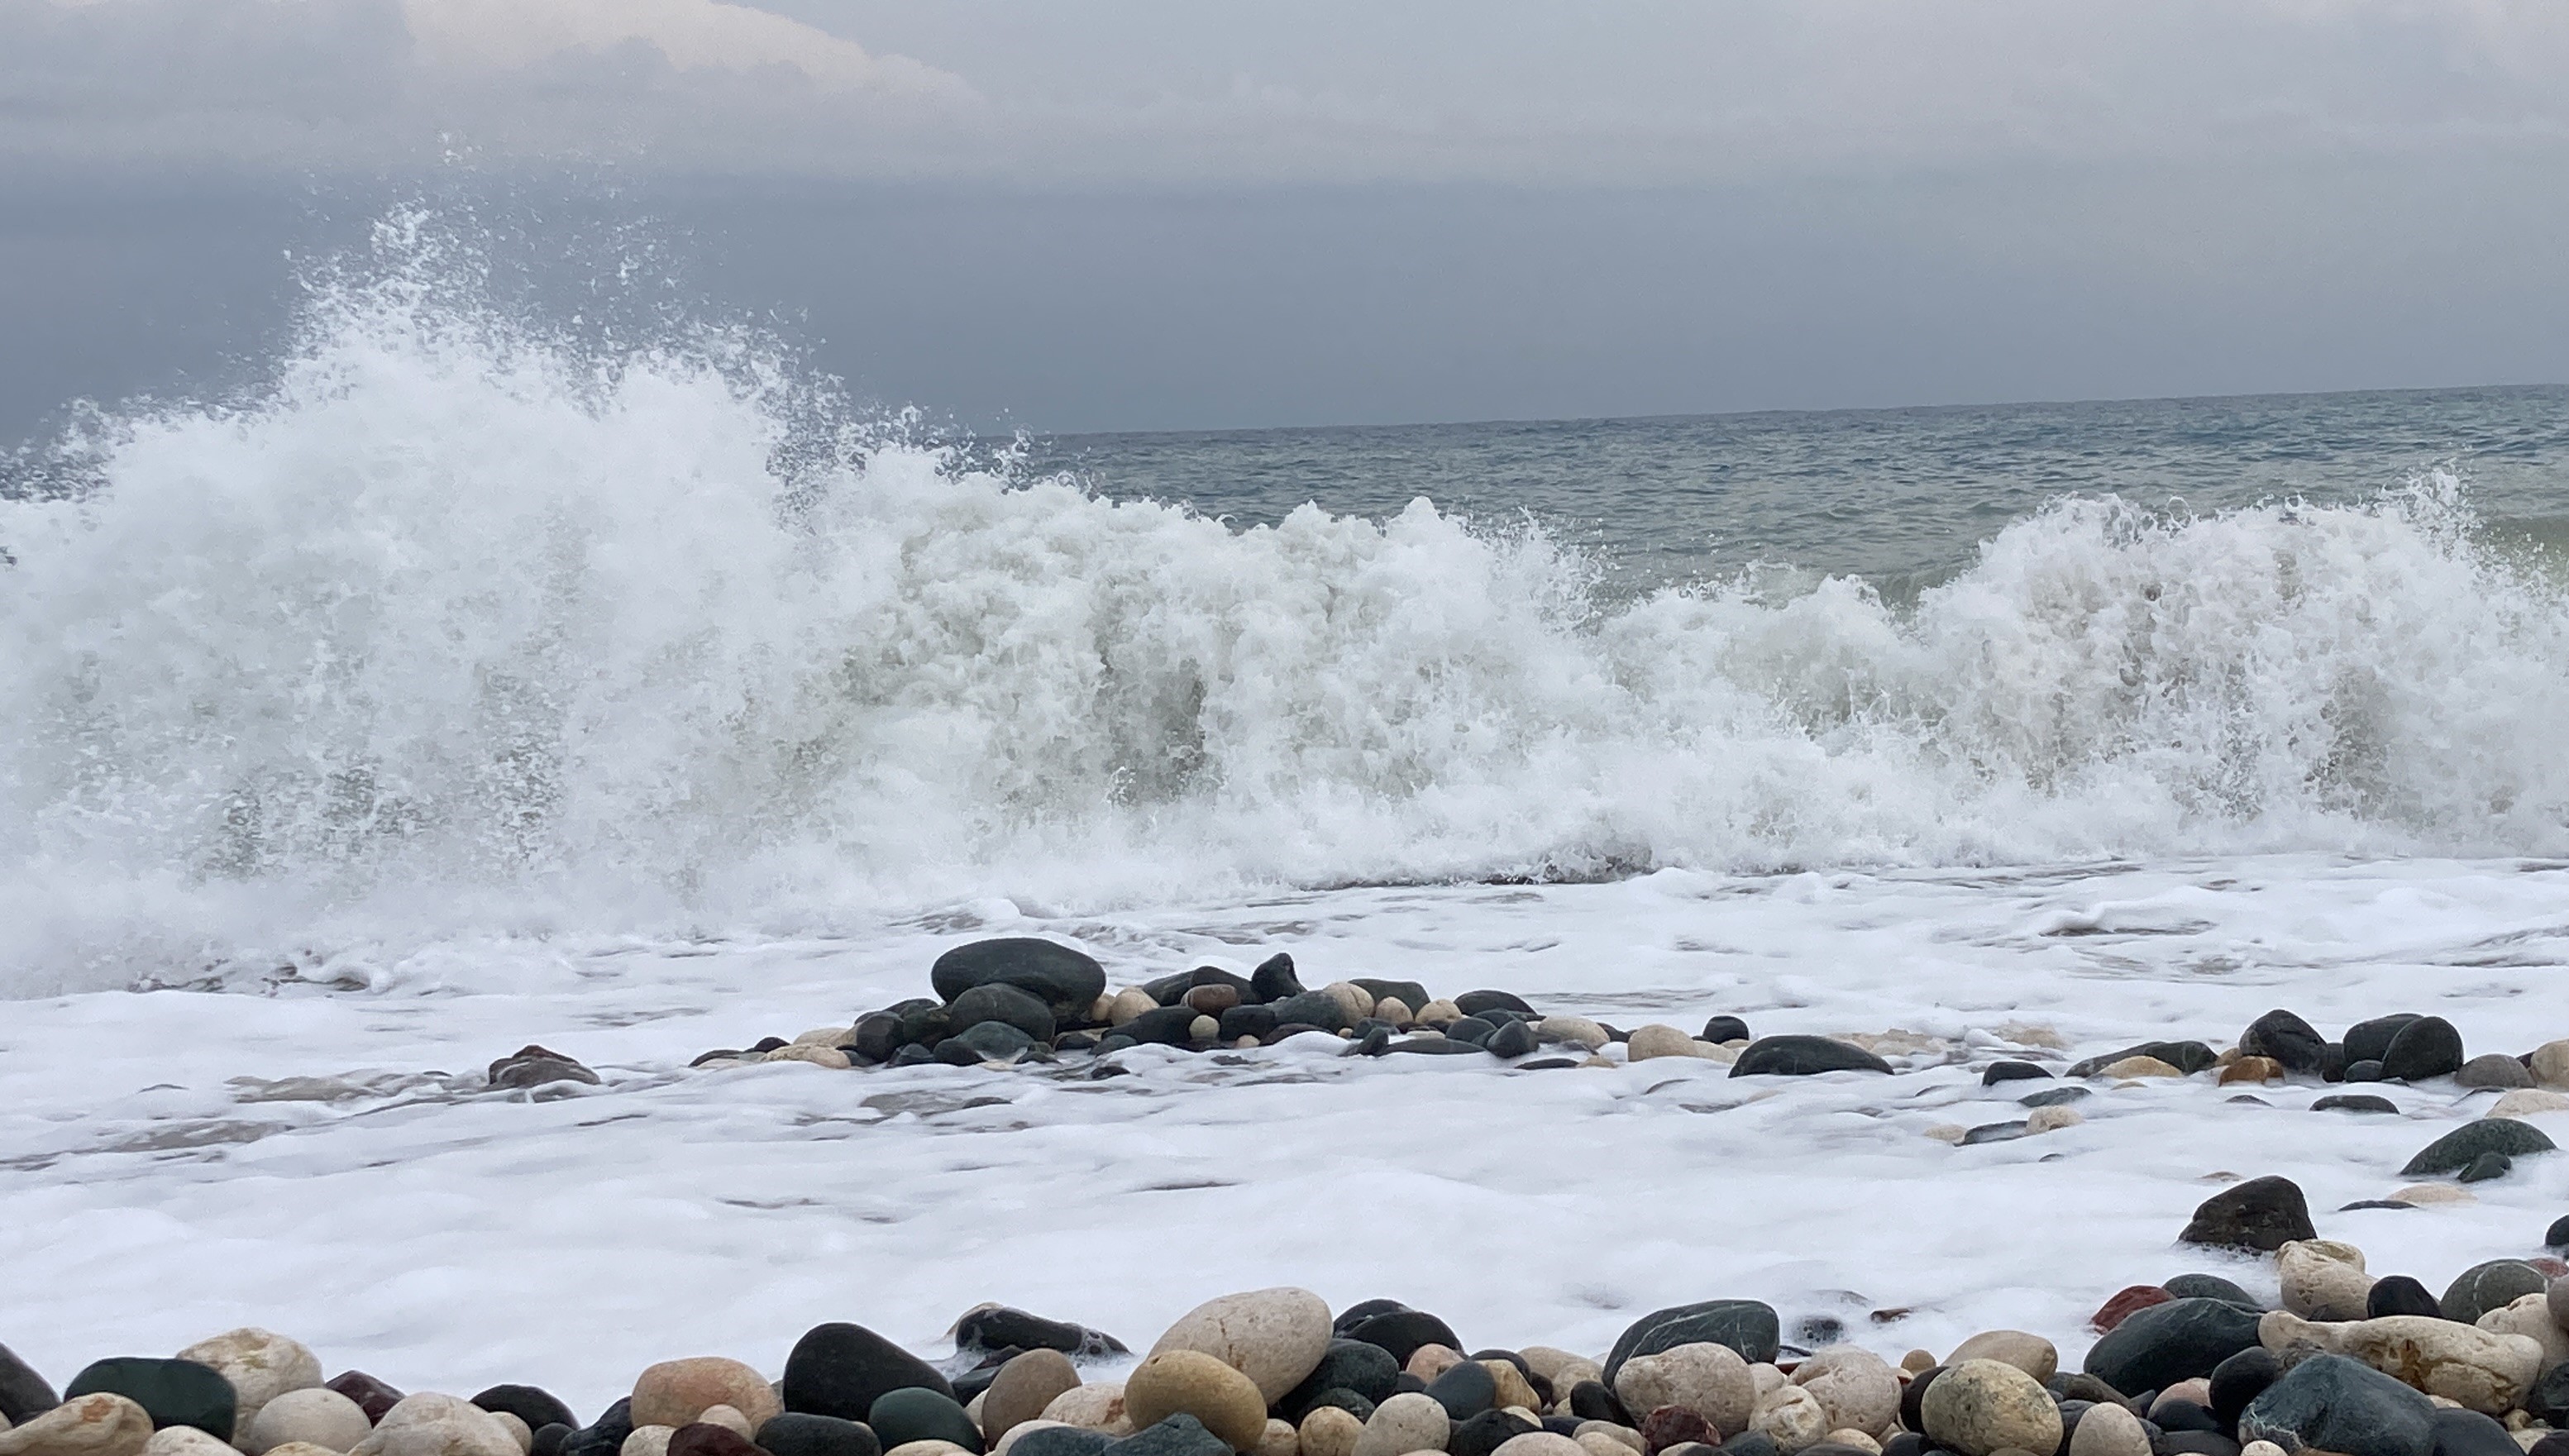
{"x":691,"y":35}
{"x":1619,"y":92}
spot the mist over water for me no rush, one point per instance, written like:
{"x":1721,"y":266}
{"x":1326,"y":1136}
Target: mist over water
{"x":468,"y":625}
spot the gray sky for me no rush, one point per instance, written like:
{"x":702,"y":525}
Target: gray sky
{"x":1171,"y":213}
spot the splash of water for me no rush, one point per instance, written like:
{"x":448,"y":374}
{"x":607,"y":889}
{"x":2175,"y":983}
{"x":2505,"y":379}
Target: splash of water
{"x":460,"y":622}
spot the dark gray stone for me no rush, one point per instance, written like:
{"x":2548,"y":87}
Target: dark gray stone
{"x":1179,"y":1435}
{"x":173,"y":1392}
{"x":1065,"y":980}
{"x":1169,"y":990}
{"x":1408,"y":992}
{"x":1719,"y":1029}
{"x":2490,"y":1285}
{"x":1402,"y":1331}
{"x":2548,"y":1400}
{"x":1516,"y":1039}
{"x":901,"y":1416}
{"x":998,"y":1328}
{"x":23,"y":1393}
{"x":2341,"y":1405}
{"x":534,"y":1066}
{"x":2188,"y":1057}
{"x":1590,"y":1400}
{"x":2454,"y":1151}
{"x":1242,"y":1021}
{"x":2263,"y":1213}
{"x":1485,"y":1432}
{"x":2368,"y":1041}
{"x":1161,"y":1026}
{"x":2208,"y":1286}
{"x":2399,"y":1295}
{"x":1746,"y":1325}
{"x":1997,"y":1072}
{"x":1472,"y":1030}
{"x":797,"y":1434}
{"x":2469,"y":1433}
{"x":1803,"y":1056}
{"x":2494,"y":1070}
{"x":999,"y":1001}
{"x":2156,"y":1346}
{"x":2286,"y":1038}
{"x":2054,"y":1097}
{"x":1465,"y":1390}
{"x":2354,"y":1102}
{"x":538,"y":1408}
{"x":2486,"y":1167}
{"x":2365,"y":1071}
{"x":2426,"y":1047}
{"x":1435,"y":1047}
{"x":1993,"y":1132}
{"x":984,"y":1042}
{"x":604,"y":1437}
{"x":1473,"y":1003}
{"x":2241,"y":1380}
{"x":1313,"y":1008}
{"x":842,"y":1369}
{"x":1274,"y":979}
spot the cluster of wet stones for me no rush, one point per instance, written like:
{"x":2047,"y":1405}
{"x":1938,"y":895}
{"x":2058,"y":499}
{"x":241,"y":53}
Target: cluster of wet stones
{"x":2351,"y":1364}
{"x":1018,"y":1000}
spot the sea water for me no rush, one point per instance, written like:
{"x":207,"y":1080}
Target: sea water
{"x":473,"y":681}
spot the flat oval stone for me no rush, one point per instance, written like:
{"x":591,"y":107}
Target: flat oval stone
{"x":1068,"y":980}
{"x":171,"y":1392}
{"x":842,"y":1369}
{"x":796,"y":1433}
{"x":914,"y":1413}
{"x":1804,"y":1057}
{"x":2454,"y":1151}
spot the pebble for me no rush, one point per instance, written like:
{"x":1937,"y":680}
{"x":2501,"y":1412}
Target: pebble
{"x":2493,"y":1285}
{"x":314,"y":1414}
{"x":2030,"y":1353}
{"x":2132,"y":1068}
{"x":811,"y":1054}
{"x":2155,"y":1348}
{"x":1982,"y":1407}
{"x":104,"y":1424}
{"x":797,"y":1433}
{"x":1465,"y":1389}
{"x":1745,"y":1325}
{"x":537,"y":1408}
{"x":2354,"y":1102}
{"x":1330,"y":1431}
{"x":2120,"y":1305}
{"x":2469,"y":1366}
{"x":2528,"y":1102}
{"x":1804,"y":1057}
{"x":2426,"y":1047}
{"x":2332,"y":1404}
{"x":1856,"y":1388}
{"x":188,"y":1441}
{"x":1709,"y":1379}
{"x":2286,"y":1038}
{"x":2109,"y":1430}
{"x":534,"y":1066}
{"x":2493,"y":1069}
{"x":1407,"y":1423}
{"x":2261,"y":1215}
{"x":914,"y":1413}
{"x":1182,"y":1381}
{"x":1274,"y":1336}
{"x":1791,"y":1417}
{"x":429,"y":1424}
{"x":841,"y":1370}
{"x":2323,"y":1280}
{"x":261,"y":1364}
{"x":2256,"y":1071}
{"x":1096,"y":1406}
{"x":1024,"y":1386}
{"x":2530,"y":1316}
{"x":1657,"y":1041}
{"x":2455,"y":1150}
{"x":1068,"y":980}
{"x":674,"y":1393}
{"x":171,"y":1392}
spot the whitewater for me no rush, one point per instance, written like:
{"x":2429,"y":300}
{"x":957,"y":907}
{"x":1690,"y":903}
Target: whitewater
{"x":473,"y":683}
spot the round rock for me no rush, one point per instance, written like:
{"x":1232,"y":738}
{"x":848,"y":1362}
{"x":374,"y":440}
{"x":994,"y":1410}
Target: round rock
{"x":1068,"y":981}
{"x":2030,"y":1353}
{"x":1709,"y":1379}
{"x":1981,"y":1407}
{"x":1185,"y":1381}
{"x":1407,"y":1423}
{"x":261,"y":1364}
{"x":315,"y":1415}
{"x":1274,"y":1336}
{"x":1023,"y":1387}
{"x":100,"y":1424}
{"x":674,"y":1393}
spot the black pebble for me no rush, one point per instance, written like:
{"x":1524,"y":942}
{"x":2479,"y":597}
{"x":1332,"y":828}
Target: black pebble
{"x":842,"y":1369}
{"x":2457,"y":1150}
{"x":548,"y":1441}
{"x":2209,"y":1286}
{"x":1075,"y":1041}
{"x":1049,"y":1441}
{"x":765,"y":1044}
{"x":1472,"y":1004}
{"x":1726,"y":1028}
{"x":173,"y":1392}
{"x":796,"y":1433}
{"x":24,"y":1393}
{"x":1905,"y":1443}
{"x":2185,"y":1415}
{"x":2399,"y":1295}
{"x":1486,"y":1432}
{"x":2054,"y":1097}
{"x":1589,"y":1401}
{"x":2354,"y":1102}
{"x":2365,"y":1071}
{"x":1472,"y":1030}
{"x":2486,"y":1167}
{"x":911,"y":1413}
{"x":1360,"y":1311}
{"x":1997,"y":1072}
{"x":1371,"y":1043}
{"x":2426,"y":1047}
{"x":537,"y":1408}
{"x":1465,"y":1392}
{"x":2368,"y":1040}
{"x":1274,"y":979}
{"x":604,"y":1437}
{"x":2469,"y":1433}
{"x":1408,"y":992}
{"x":1403,"y":1331}
{"x":914,"y":1055}
{"x":1913,"y":1398}
{"x":2261,"y":1215}
{"x":1246,"y":1021}
{"x":1993,"y":1132}
{"x":2286,"y":1038}
{"x":1179,"y":1435}
{"x":2557,"y":1235}
{"x":2238,"y":1381}
{"x":1804,"y":1057}
{"x":1161,"y":1025}
{"x":1516,"y":1039}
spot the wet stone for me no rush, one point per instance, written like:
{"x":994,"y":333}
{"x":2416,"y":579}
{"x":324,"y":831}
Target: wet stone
{"x":1997,"y":1072}
{"x":2455,"y":1150}
{"x":171,"y":1392}
{"x":2261,"y":1215}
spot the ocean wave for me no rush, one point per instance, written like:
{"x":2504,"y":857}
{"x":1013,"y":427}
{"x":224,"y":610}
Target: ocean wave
{"x":459,"y":623}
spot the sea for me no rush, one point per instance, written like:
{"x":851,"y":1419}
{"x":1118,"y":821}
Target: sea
{"x":469,"y":681}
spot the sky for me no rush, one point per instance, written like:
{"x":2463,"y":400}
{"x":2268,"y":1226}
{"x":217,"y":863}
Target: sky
{"x":1137,"y":215}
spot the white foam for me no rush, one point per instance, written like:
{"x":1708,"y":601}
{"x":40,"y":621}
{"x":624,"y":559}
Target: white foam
{"x":449,"y":1242}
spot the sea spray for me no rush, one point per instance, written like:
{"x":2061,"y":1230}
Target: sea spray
{"x":464,"y":623}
